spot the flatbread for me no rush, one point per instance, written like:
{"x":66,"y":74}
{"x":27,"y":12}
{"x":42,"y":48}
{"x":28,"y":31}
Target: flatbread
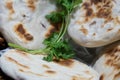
{"x":108,"y":65}
{"x":23,"y":22}
{"x":23,"y":66}
{"x":96,"y":23}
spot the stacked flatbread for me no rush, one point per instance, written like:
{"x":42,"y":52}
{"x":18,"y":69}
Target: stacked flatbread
{"x":96,"y":23}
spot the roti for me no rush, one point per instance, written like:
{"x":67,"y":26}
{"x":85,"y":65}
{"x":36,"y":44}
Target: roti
{"x":23,"y":22}
{"x":108,"y":65}
{"x":23,"y":66}
{"x":96,"y":23}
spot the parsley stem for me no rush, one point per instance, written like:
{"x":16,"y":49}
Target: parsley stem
{"x":64,"y":27}
{"x":61,"y":32}
{"x":37,"y":51}
{"x":26,"y":50}
{"x":17,"y":47}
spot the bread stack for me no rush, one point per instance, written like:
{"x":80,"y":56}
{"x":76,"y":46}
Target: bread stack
{"x":95,"y":23}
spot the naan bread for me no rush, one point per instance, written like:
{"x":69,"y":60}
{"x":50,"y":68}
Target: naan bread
{"x":108,"y":65}
{"x":23,"y":66}
{"x":23,"y":22}
{"x":96,"y":23}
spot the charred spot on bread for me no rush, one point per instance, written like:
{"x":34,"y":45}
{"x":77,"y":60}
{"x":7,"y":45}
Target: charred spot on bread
{"x":50,"y":72}
{"x":50,"y":31}
{"x":84,"y":30}
{"x":16,"y":62}
{"x":28,"y":36}
{"x":20,"y":29}
{"x":117,"y":76}
{"x":102,"y":77}
{"x":46,"y":66}
{"x":30,"y":72}
{"x":66,"y":63}
{"x":32,"y":4}
{"x":22,"y":33}
{"x":113,"y":57}
{"x":86,"y":5}
{"x":89,"y":12}
{"x":9,"y":6}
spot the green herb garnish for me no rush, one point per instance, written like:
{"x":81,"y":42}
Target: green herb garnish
{"x":56,"y":46}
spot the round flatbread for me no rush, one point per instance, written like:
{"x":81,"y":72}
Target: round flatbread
{"x":96,"y":23}
{"x":23,"y":66}
{"x":23,"y":22}
{"x":108,"y":65}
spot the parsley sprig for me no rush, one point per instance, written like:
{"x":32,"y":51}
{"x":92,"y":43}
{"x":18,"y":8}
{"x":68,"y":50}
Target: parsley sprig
{"x":63,"y":14}
{"x":57,"y":47}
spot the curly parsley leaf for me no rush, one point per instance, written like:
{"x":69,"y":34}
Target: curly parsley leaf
{"x":57,"y":50}
{"x":55,"y":17}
